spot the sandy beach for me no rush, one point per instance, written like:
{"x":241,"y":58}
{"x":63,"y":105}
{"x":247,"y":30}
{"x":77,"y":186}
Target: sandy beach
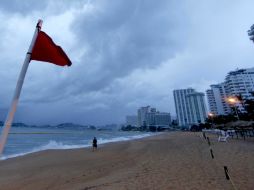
{"x":175,"y":160}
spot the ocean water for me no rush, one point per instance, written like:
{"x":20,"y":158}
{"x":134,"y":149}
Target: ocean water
{"x":25,"y":140}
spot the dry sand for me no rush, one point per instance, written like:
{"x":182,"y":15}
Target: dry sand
{"x":176,"y":160}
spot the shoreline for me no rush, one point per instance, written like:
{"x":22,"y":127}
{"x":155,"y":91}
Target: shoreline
{"x":73,"y":147}
{"x":175,"y":160}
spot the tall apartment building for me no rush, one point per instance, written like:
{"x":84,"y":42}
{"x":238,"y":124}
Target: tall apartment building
{"x":142,"y":115}
{"x":240,"y":82}
{"x":216,"y":97}
{"x":190,"y":107}
{"x":150,"y":117}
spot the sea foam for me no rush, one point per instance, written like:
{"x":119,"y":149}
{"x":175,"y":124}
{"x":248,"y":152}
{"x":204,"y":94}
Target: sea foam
{"x":53,"y":145}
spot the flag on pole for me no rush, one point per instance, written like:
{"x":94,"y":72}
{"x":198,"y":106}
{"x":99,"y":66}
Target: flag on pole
{"x":42,"y":48}
{"x":46,"y":50}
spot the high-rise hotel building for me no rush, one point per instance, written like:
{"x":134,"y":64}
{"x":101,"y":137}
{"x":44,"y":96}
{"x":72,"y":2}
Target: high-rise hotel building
{"x":217,"y":97}
{"x":190,"y":107}
{"x":239,"y":82}
{"x":148,"y":116}
{"x":142,"y":115}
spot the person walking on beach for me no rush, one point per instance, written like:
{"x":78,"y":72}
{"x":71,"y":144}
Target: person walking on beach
{"x":94,"y":143}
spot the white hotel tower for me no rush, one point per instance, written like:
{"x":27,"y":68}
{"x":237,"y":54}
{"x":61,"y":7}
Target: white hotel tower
{"x":190,"y":107}
{"x":216,"y":97}
{"x":241,"y":82}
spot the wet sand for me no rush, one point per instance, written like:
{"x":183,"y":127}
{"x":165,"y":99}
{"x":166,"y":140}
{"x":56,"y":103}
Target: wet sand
{"x":175,"y":160}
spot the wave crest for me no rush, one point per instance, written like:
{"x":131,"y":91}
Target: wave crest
{"x":54,"y":145}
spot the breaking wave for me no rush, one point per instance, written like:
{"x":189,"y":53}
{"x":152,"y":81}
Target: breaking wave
{"x":53,"y":145}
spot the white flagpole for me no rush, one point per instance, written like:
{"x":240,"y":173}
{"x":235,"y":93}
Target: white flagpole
{"x":12,"y":110}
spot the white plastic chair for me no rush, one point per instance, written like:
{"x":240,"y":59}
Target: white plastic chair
{"x":223,"y":137}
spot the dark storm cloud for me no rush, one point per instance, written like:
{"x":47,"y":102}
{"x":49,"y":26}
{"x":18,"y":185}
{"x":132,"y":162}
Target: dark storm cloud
{"x":118,"y":38}
{"x":122,"y":36}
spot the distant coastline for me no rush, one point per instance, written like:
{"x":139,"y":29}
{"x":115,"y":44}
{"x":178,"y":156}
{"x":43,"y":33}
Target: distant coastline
{"x":65,"y":126}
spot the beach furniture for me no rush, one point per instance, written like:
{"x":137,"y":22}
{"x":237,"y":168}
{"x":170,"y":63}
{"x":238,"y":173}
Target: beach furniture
{"x":231,"y":133}
{"x":223,"y":137}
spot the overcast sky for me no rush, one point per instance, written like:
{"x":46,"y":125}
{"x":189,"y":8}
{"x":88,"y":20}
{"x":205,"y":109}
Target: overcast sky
{"x":125,"y":54}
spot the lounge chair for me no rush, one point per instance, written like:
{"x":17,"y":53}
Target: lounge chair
{"x":223,"y":137}
{"x":231,"y":133}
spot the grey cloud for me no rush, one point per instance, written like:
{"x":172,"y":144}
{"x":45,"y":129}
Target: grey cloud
{"x":124,"y":36}
{"x":119,"y":38}
{"x":26,"y":7}
{"x":22,"y":6}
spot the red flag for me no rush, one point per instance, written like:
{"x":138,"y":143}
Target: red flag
{"x":46,"y":50}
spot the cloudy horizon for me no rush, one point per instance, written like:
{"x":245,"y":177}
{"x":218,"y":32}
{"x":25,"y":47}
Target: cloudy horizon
{"x":125,"y":54}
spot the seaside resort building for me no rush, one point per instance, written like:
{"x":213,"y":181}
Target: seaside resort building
{"x":142,"y":116}
{"x":239,"y":82}
{"x":148,"y":116}
{"x":216,"y":97}
{"x":158,"y":119}
{"x":190,"y":107}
